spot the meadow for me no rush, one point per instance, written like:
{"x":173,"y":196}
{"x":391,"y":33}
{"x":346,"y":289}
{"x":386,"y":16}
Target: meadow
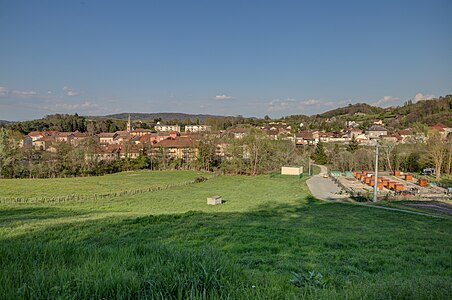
{"x":261,"y":243}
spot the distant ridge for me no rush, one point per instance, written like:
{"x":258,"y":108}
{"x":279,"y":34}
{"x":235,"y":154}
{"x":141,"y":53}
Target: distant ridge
{"x":162,"y":116}
{"x":5,"y":122}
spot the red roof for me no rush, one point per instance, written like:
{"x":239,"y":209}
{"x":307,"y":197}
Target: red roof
{"x":306,"y":134}
{"x":176,"y":143}
{"x":439,"y":127}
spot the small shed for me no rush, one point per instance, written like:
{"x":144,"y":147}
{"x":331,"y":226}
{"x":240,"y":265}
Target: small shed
{"x":214,"y":200}
{"x":291,"y":171}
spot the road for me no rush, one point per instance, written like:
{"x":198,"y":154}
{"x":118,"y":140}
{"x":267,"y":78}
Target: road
{"x":324,"y":188}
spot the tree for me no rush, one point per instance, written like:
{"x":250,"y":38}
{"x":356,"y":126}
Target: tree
{"x":319,"y":155}
{"x":436,"y":152}
{"x":387,"y":150}
{"x":207,"y":152}
{"x":6,"y":153}
{"x":353,"y":145}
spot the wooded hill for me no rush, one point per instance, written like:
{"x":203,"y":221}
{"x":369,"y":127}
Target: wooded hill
{"x":425,"y":112}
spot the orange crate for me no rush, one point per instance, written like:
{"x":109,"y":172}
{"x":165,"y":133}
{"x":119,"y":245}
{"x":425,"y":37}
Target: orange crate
{"x":380,"y":185}
{"x":385,"y":182}
{"x":399,"y":187}
{"x":423,"y":182}
{"x":396,"y":173}
{"x":408,"y":177}
{"x":392,"y":185}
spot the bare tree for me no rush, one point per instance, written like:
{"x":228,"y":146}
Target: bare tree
{"x":436,"y":152}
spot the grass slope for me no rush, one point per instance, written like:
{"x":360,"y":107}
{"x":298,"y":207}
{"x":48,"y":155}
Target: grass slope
{"x":170,"y":245}
{"x":96,"y":184}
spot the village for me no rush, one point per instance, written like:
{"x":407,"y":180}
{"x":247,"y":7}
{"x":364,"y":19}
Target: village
{"x":176,"y":143}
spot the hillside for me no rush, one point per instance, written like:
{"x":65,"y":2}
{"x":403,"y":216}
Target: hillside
{"x":427,"y":112}
{"x":259,"y":244}
{"x":353,"y":109}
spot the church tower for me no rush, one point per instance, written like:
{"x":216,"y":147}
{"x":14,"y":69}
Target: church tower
{"x":129,"y":125}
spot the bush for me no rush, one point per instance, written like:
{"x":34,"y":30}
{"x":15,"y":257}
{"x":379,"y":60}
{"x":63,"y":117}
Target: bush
{"x":200,"y":179}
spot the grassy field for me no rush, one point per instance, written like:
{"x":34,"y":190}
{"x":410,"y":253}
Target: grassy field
{"x":260,"y":244}
{"x":96,"y":184}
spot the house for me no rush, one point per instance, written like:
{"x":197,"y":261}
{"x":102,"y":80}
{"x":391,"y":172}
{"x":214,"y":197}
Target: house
{"x":406,"y":135}
{"x":332,"y":137}
{"x":79,"y":137}
{"x":352,"y":124}
{"x":36,"y":135}
{"x":378,"y":122}
{"x":272,"y":134}
{"x":121,"y":137}
{"x":107,"y":138}
{"x":197,"y":128}
{"x":362,"y":138}
{"x":442,"y":129}
{"x":106,"y":153}
{"x":353,"y":132}
{"x":393,"y":137}
{"x":140,"y":132}
{"x":307,"y":137}
{"x":129,"y":151}
{"x":64,"y":137}
{"x":160,"y":127}
{"x":237,"y":133}
{"x":183,"y":148}
{"x":46,"y":143}
{"x":375,"y":131}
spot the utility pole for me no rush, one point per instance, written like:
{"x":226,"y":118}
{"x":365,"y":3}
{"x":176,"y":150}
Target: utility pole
{"x":376,"y":175}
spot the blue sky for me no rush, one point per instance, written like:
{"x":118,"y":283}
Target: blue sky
{"x":252,"y":58}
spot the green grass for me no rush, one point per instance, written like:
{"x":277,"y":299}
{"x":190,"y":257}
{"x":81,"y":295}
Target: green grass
{"x":170,"y":245}
{"x":90,"y":185}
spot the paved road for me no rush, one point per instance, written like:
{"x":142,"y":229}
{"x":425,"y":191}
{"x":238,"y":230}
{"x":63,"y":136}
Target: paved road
{"x":323,"y":188}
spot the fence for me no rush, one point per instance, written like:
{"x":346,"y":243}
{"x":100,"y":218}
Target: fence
{"x":91,"y":197}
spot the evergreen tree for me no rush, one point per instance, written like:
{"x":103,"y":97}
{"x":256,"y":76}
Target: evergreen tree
{"x":353,"y":145}
{"x":319,"y":155}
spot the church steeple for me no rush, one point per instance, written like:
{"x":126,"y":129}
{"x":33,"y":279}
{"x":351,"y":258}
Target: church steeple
{"x":129,"y":125}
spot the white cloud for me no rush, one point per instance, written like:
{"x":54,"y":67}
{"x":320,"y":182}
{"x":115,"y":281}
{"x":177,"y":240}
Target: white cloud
{"x":222,"y":97}
{"x":49,"y":92}
{"x":70,"y":92}
{"x":386,"y":100}
{"x":73,"y":106}
{"x":280,"y":105}
{"x":310,"y":102}
{"x":23,"y":93}
{"x":420,"y":96}
{"x":3,"y":91}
